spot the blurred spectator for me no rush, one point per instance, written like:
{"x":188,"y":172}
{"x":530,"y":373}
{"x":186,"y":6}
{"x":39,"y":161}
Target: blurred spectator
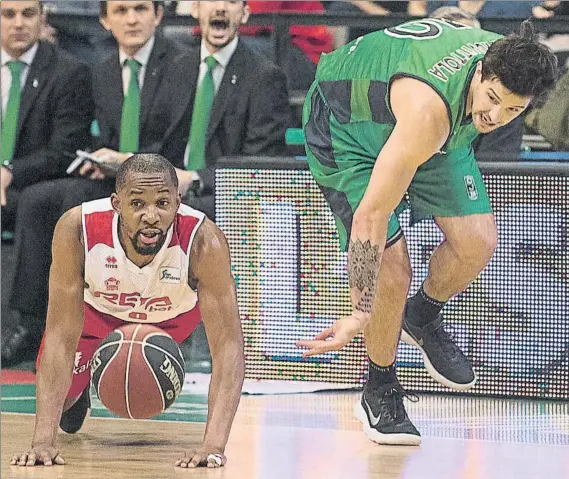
{"x":371,"y":8}
{"x":456,"y":14}
{"x":87,"y":41}
{"x":132,"y":118}
{"x":249,"y":111}
{"x":506,"y":140}
{"x":494,"y":8}
{"x":552,"y":119}
{"x":47,"y":109}
{"x":308,"y":41}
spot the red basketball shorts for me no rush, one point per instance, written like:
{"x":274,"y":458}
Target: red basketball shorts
{"x":98,"y":325}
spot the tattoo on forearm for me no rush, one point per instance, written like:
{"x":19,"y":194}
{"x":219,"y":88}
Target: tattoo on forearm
{"x":363,"y":268}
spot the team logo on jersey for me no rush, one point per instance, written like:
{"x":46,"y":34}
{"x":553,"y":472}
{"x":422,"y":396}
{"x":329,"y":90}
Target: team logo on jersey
{"x":111,"y":262}
{"x":136,"y":301}
{"x":471,"y":190}
{"x":112,"y":284}
{"x":170,"y":275}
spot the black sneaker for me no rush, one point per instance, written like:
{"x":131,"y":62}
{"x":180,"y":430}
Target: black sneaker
{"x":444,"y":360}
{"x":383,"y":415}
{"x":72,"y":419}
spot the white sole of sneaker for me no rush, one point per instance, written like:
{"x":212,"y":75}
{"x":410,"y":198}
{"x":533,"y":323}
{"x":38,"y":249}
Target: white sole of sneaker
{"x":432,"y":371}
{"x":386,"y":439}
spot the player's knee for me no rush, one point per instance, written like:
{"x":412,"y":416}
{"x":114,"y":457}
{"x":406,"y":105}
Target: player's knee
{"x":396,"y":269}
{"x":477,"y":245}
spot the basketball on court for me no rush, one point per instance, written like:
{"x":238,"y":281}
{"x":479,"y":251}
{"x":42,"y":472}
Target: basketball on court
{"x":138,"y":371}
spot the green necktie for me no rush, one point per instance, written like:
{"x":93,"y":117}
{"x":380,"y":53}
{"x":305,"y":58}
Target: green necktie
{"x":130,"y":121}
{"x":10,"y":123}
{"x":200,"y":118}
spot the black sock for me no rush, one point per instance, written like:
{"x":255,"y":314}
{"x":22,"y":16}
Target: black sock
{"x":380,"y":375}
{"x":422,"y":309}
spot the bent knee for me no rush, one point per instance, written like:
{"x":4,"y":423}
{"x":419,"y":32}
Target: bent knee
{"x":477,"y":243}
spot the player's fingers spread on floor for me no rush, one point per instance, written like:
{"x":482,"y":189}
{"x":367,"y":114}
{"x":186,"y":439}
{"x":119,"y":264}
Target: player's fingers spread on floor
{"x":196,"y":460}
{"x":216,"y":460}
{"x":45,"y":458}
{"x":183,"y":462}
{"x":31,"y":460}
{"x":59,"y":460}
{"x":15,"y":459}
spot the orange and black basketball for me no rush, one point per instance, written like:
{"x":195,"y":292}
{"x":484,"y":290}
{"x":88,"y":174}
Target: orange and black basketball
{"x":138,"y":371}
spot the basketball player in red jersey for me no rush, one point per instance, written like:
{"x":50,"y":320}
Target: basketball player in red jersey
{"x":138,"y":256}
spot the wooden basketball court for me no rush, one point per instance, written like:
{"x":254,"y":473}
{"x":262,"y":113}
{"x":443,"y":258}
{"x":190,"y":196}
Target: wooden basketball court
{"x":310,"y":436}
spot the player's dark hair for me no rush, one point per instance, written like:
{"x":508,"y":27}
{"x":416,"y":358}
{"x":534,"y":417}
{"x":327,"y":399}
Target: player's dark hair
{"x":523,"y":64}
{"x":103,"y":8}
{"x":144,"y":163}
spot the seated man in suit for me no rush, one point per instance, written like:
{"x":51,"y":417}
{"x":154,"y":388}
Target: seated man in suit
{"x":131,"y":119}
{"x":237,"y":102}
{"x":46,"y":103}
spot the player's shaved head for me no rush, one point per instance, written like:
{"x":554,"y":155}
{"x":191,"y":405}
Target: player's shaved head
{"x":145,"y":163}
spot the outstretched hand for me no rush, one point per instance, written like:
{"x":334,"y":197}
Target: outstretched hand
{"x":333,"y":338}
{"x":40,"y":454}
{"x":204,"y":456}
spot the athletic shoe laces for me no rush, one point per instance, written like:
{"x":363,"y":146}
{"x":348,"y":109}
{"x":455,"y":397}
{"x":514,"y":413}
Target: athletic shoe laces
{"x":391,"y":404}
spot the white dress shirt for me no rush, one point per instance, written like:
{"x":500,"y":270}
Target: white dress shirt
{"x":6,"y":79}
{"x":141,"y":56}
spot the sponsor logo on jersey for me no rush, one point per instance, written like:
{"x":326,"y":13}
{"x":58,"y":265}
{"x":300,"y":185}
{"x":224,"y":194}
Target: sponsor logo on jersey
{"x":136,"y":301}
{"x":111,"y":262}
{"x":112,"y":284}
{"x":170,"y":275}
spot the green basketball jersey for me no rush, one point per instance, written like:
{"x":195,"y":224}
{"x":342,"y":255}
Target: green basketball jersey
{"x":354,"y":80}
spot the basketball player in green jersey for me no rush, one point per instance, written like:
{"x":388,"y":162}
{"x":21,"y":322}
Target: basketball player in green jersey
{"x":395,"y":112}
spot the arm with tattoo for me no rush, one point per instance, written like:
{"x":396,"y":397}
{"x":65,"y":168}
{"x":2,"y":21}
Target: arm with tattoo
{"x":417,"y":108}
{"x":363,"y":270}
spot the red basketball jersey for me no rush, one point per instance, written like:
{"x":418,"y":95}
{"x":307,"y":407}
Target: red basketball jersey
{"x":117,"y":287}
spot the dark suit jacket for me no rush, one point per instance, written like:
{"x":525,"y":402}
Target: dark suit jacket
{"x":157,"y":100}
{"x":56,"y":112}
{"x":250,"y":112}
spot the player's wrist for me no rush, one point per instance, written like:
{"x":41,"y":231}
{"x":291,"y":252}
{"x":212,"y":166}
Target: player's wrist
{"x":44,"y":440}
{"x":361,"y":317}
{"x":214,"y":445}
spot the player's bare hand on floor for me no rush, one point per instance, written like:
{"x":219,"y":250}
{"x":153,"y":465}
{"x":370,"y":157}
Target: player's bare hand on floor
{"x":333,"y":338}
{"x":40,"y":454}
{"x":203,"y":457}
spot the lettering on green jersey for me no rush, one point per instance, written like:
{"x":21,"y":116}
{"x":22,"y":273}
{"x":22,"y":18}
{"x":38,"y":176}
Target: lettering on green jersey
{"x":453,"y":63}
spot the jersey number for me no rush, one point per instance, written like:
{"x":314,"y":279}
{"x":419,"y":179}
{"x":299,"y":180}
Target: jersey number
{"x":423,"y":29}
